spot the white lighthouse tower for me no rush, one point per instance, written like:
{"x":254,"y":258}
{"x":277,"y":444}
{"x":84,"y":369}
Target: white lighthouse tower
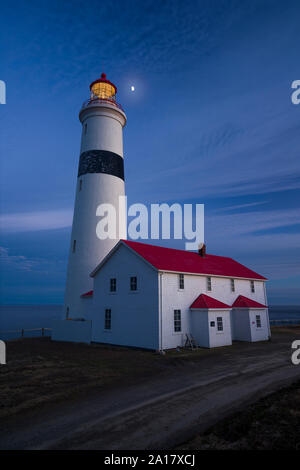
{"x":100,"y":181}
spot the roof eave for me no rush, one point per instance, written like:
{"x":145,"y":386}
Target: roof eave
{"x":213,"y":275}
{"x":252,"y":308}
{"x":209,"y":308}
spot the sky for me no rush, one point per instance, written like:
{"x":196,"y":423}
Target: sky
{"x":211,"y":121}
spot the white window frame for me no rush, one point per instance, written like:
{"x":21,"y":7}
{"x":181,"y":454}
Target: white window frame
{"x":181,"y":281}
{"x":177,"y":321}
{"x":258,"y":321}
{"x":107,"y":319}
{"x":220,"y":324}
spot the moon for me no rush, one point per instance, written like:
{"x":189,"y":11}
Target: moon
{"x":132,"y":88}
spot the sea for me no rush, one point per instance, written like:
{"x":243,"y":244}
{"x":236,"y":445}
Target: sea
{"x":15,"y":318}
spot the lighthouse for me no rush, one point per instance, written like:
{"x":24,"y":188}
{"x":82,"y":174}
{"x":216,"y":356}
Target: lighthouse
{"x":100,"y":181}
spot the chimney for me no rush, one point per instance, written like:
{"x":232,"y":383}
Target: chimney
{"x":202,"y":250}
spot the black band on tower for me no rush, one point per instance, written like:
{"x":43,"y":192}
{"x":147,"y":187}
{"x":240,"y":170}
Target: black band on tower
{"x":101,"y":161}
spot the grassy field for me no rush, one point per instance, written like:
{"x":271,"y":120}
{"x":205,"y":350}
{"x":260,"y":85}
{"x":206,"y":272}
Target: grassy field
{"x":273,"y":423}
{"x":39,"y":371}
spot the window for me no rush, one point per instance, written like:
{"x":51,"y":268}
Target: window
{"x":208,"y":283}
{"x":219,"y":323}
{"x":181,"y":281}
{"x":80,"y":184}
{"x":113,"y":285}
{"x":74,"y":246}
{"x":232,"y":285}
{"x":252,"y":286}
{"x":85,"y":128}
{"x":107,"y":322}
{"x":177,"y":321}
{"x":258,"y":321}
{"x":133,"y":283}
{"x":67,"y":312}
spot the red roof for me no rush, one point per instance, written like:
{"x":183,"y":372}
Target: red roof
{"x":87,"y":294}
{"x":244,"y":302}
{"x":170,"y":259}
{"x":205,"y":301}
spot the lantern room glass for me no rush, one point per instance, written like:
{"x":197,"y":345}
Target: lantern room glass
{"x":103,"y":91}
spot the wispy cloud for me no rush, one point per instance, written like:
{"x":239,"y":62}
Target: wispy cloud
{"x":253,"y":238}
{"x":240,"y":206}
{"x":18,"y":262}
{"x":254,"y":222}
{"x":34,"y":221}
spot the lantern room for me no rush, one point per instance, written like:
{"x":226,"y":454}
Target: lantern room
{"x":103,"y":89}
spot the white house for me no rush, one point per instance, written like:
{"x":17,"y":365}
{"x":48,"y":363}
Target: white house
{"x":210,"y":322}
{"x":250,"y":321}
{"x":152,"y":297}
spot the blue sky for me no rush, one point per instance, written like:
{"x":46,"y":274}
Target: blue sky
{"x":211,"y":121}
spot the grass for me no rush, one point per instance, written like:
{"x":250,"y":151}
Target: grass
{"x":39,"y":371}
{"x":273,"y":423}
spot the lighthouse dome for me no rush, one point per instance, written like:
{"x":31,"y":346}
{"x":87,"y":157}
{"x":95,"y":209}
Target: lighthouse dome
{"x":103,"y":89}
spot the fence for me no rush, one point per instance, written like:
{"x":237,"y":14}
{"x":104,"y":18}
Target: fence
{"x":285,"y":322}
{"x":22,"y":332}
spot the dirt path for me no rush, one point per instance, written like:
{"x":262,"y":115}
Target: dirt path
{"x":162,"y":412}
